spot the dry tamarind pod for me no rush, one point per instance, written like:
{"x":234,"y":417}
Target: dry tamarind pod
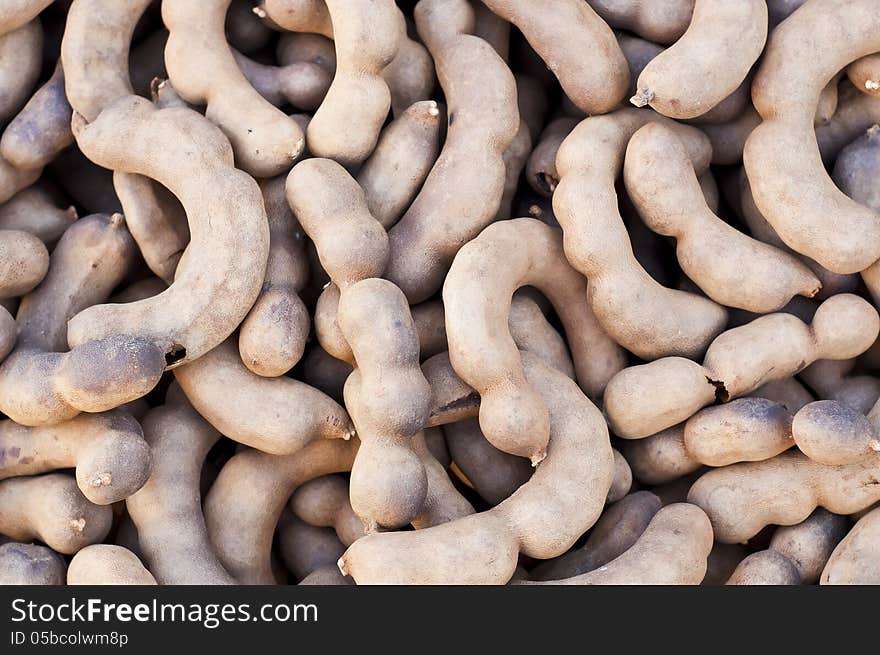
{"x":729,"y":138}
{"x":855,"y":559}
{"x":731,"y":267}
{"x":542,"y":519}
{"x":477,"y":83}
{"x":795,"y":194}
{"x":673,"y":549}
{"x":41,"y":383}
{"x":218,"y":281}
{"x":302,"y":84}
{"x":30,"y":564}
{"x":105,"y":564}
{"x":742,"y":499}
{"x":13,"y":180}
{"x":20,"y":59}
{"x":108,"y":451}
{"x":51,"y":508}
{"x":347,"y":124}
{"x":24,"y":262}
{"x":203,"y":70}
{"x":832,"y":380}
{"x":273,"y":336}
{"x":797,"y":554}
{"x":246,"y":500}
{"x":405,"y":152}
{"x":643,"y":400}
{"x":577,"y":45}
{"x":41,"y":129}
{"x":323,"y":502}
{"x":16,"y":13}
{"x":864,"y":73}
{"x":832,"y":433}
{"x":644,"y":317}
{"x":663,"y":22}
{"x":541,"y":171}
{"x":623,"y":477}
{"x":33,"y":210}
{"x":167,"y":511}
{"x":293,"y":413}
{"x":527,"y":252}
{"x":614,"y":533}
{"x":708,"y":62}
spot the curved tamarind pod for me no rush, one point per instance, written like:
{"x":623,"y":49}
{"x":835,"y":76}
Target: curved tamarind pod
{"x":309,"y":414}
{"x":855,"y":560}
{"x":229,"y":245}
{"x":741,"y":499}
{"x":105,"y":564}
{"x":51,"y":508}
{"x":203,"y":70}
{"x":405,"y":152}
{"x":302,"y":84}
{"x":615,"y":532}
{"x":691,"y":77}
{"x":477,"y":83}
{"x":663,"y":22}
{"x":831,"y":380}
{"x":323,"y":502}
{"x":796,"y":555}
{"x":864,"y":73}
{"x":30,"y":564}
{"x":796,"y":195}
{"x":33,"y":210}
{"x":642,"y":316}
{"x":167,"y":510}
{"x":527,"y":252}
{"x":673,"y":549}
{"x":41,"y":129}
{"x":40,"y":383}
{"x":273,"y":336}
{"x":578,"y":47}
{"x":832,"y":433}
{"x":251,"y":481}
{"x":642,"y":400}
{"x":24,"y":262}
{"x":732,"y":268}
{"x":20,"y":59}
{"x":542,"y":518}
{"x":108,"y":450}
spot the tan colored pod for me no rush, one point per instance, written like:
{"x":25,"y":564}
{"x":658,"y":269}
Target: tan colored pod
{"x":856,"y":112}
{"x":13,"y":180}
{"x":167,"y":510}
{"x":33,"y":210}
{"x":577,"y":46}
{"x":16,"y":13}
{"x":729,"y":108}
{"x":493,"y":474}
{"x":30,"y":564}
{"x":108,"y":451}
{"x":729,"y":138}
{"x":405,"y":152}
{"x":221,"y":276}
{"x":245,"y":502}
{"x":526,"y":252}
{"x":323,"y":502}
{"x":623,"y":478}
{"x":303,"y":84}
{"x":477,"y":83}
{"x":541,"y":171}
{"x":832,"y":433}
{"x":737,"y":362}
{"x":542,"y":519}
{"x":51,"y":508}
{"x":297,"y":15}
{"x":663,"y":22}
{"x":273,"y":336}
{"x":660,"y":458}
{"x":855,"y":560}
{"x":742,"y":499}
{"x":797,"y":554}
{"x":293,"y":413}
{"x":638,"y":313}
{"x":443,"y":502}
{"x":104,"y":564}
{"x":614,"y":533}
{"x":24,"y":262}
{"x":833,"y":380}
{"x":795,"y":194}
{"x":673,"y":549}
{"x":20,"y":59}
{"x":41,"y":383}
{"x":347,"y":124}
{"x":708,"y":62}
{"x":265,"y":140}
{"x":41,"y":129}
{"x":864,"y":73}
{"x":730,"y":267}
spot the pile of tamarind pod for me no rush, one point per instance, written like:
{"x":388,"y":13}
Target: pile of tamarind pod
{"x":439,"y":292}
